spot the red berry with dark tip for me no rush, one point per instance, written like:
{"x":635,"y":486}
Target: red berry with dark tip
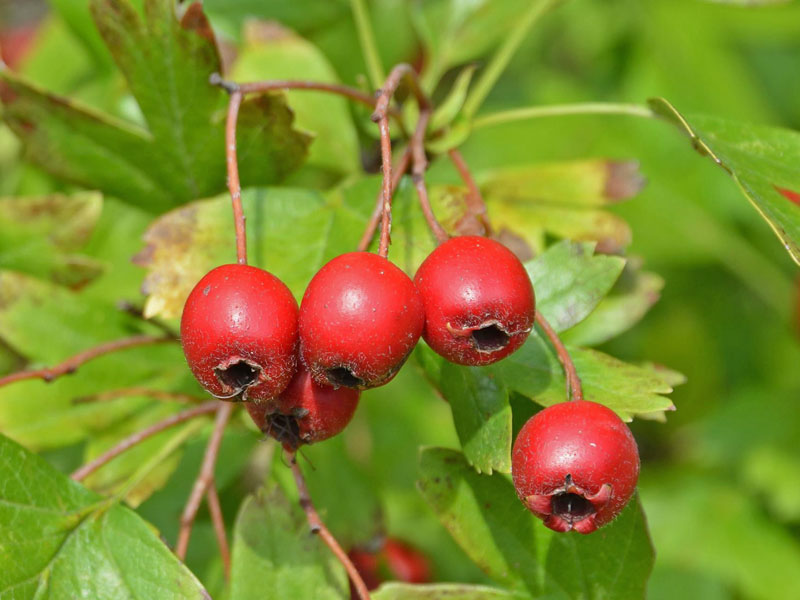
{"x":305,"y":412}
{"x":239,"y":333}
{"x":360,"y":318}
{"x":575,"y":465}
{"x":479,"y":302}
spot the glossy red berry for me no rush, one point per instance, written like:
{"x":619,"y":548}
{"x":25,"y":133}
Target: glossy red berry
{"x":360,"y":318}
{"x":239,"y":333}
{"x":575,"y":465}
{"x":305,"y":412}
{"x":479,"y":302}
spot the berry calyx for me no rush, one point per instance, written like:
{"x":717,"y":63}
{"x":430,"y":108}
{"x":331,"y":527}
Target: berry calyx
{"x":575,"y":465}
{"x":305,"y":412}
{"x":360,"y":318}
{"x":239,"y":333}
{"x":479,"y":301}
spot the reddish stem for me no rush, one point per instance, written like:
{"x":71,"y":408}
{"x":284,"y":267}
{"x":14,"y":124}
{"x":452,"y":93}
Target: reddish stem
{"x":130,"y":392}
{"x":574,"y":390}
{"x":418,"y":175}
{"x":475,"y":204}
{"x":386,"y":186}
{"x":140,"y":436}
{"x":397,"y":174}
{"x":318,"y":527}
{"x":71,"y":365}
{"x":204,"y":478}
{"x":234,"y":186}
{"x":214,"y":508}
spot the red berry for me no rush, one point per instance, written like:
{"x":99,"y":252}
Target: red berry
{"x":575,"y":465}
{"x":405,"y":562}
{"x":479,"y":303}
{"x":239,"y":333}
{"x":360,"y":318}
{"x":305,"y":412}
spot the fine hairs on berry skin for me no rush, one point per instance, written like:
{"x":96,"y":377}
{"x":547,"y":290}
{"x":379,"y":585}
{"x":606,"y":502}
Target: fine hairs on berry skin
{"x":479,"y":301}
{"x":239,"y":333}
{"x":360,"y":318}
{"x":575,"y":466}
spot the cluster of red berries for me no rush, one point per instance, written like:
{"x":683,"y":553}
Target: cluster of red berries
{"x":300,"y":370}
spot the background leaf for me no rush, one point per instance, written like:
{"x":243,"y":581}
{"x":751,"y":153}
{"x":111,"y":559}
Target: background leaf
{"x":762,"y":160}
{"x":59,"y":540}
{"x":274,"y":550}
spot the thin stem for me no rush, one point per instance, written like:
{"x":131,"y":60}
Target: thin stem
{"x":131,"y":392}
{"x":386,"y":186}
{"x":204,"y":478}
{"x":475,"y":203}
{"x":503,"y":55}
{"x":270,"y":85}
{"x":418,"y":175}
{"x":561,"y":110}
{"x":140,"y":436}
{"x":214,"y":508}
{"x":381,"y":116}
{"x":574,"y":390}
{"x":234,"y":186}
{"x":397,"y":174}
{"x":366,"y":38}
{"x":72,"y":364}
{"x":318,"y":527}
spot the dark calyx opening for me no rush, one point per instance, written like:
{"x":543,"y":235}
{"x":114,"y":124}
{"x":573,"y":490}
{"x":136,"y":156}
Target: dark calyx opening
{"x":342,"y":376}
{"x":490,"y":338}
{"x":238,"y":375}
{"x":284,"y":428}
{"x":571,"y":507}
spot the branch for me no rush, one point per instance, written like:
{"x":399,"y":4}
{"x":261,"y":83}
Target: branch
{"x":574,"y":390}
{"x":204,"y":479}
{"x":381,"y":116}
{"x":234,"y":186}
{"x":140,"y":436}
{"x":397,"y":174}
{"x":219,"y":527}
{"x":475,"y":204}
{"x":71,"y":365}
{"x":318,"y":527}
{"x":418,"y":175}
{"x":130,"y":392}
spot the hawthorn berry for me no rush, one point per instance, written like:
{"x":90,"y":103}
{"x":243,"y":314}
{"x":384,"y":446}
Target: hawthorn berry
{"x":479,"y":302}
{"x":239,"y":333}
{"x":360,"y":318}
{"x":575,"y":465}
{"x":389,"y":559}
{"x":305,"y":412}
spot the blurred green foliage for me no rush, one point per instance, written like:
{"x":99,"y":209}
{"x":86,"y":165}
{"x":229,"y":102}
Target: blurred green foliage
{"x":721,"y":477}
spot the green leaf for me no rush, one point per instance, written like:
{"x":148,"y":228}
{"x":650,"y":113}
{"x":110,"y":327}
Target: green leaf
{"x":443,"y":591}
{"x":449,"y":108}
{"x":177,"y":154}
{"x":481,"y":412}
{"x":565,"y":199}
{"x":270,"y":52}
{"x":47,"y":323}
{"x":570,"y":281}
{"x":291,"y":233}
{"x":274,"y":550}
{"x":485,"y":517}
{"x":762,"y":161}
{"x":632,"y":296}
{"x":59,"y":540}
{"x":43,"y":236}
{"x":629,"y":390}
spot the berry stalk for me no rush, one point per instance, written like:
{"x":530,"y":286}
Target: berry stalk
{"x":234,"y":186}
{"x":574,"y":389}
{"x":418,"y":175}
{"x":318,"y":527}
